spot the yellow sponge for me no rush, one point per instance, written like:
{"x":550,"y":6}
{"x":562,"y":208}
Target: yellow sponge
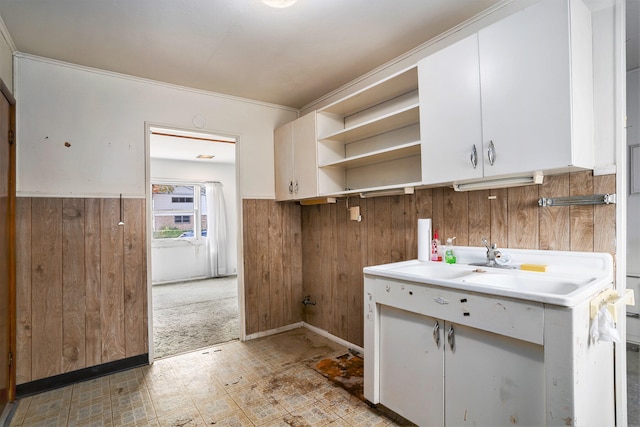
{"x":534,"y":267}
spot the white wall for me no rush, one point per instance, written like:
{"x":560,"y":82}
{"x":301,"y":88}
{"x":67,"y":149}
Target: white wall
{"x":180,"y":260}
{"x":633,"y":202}
{"x":102,"y":116}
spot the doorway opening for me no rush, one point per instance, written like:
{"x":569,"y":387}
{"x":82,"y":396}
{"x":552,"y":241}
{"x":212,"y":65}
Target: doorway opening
{"x":194,"y":240}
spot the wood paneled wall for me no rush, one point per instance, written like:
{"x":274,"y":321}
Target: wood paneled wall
{"x":272,"y":264}
{"x":81,"y":284}
{"x":335,"y":249}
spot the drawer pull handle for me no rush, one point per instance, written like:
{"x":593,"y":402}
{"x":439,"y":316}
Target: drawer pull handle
{"x":451,"y":338}
{"x":436,"y":334}
{"x":474,"y":157}
{"x":633,"y":315}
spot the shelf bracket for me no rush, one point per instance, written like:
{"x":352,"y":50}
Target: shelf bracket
{"x":596,"y":199}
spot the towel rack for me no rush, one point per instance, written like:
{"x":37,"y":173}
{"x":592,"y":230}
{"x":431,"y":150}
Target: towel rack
{"x":612,"y":300}
{"x":596,"y":199}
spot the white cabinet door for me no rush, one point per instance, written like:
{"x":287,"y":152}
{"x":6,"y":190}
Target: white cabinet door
{"x":305,"y":163}
{"x":525,"y":74}
{"x":493,"y":380}
{"x":411,"y":366}
{"x":283,"y":161}
{"x":520,"y":91}
{"x":450,"y":113}
{"x":296,"y":167}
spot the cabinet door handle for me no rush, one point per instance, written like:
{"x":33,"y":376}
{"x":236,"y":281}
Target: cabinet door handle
{"x":491,"y":153}
{"x":290,"y":187}
{"x":295,"y":187}
{"x":436,"y":334}
{"x":474,"y":156}
{"x":633,"y":315}
{"x":451,"y":337}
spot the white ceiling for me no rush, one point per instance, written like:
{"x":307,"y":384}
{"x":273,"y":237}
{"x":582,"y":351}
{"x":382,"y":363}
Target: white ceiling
{"x":244,"y":48}
{"x":187,"y":146}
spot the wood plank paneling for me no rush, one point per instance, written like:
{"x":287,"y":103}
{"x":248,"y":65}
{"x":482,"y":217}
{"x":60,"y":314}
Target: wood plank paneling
{"x":134,"y":246}
{"x":112,"y":290}
{"x":523,"y":218}
{"x":456,"y":217}
{"x":251,"y":277}
{"x":82,"y":289}
{"x":46,"y":287}
{"x":73,"y":285}
{"x":272,"y":245}
{"x":581,"y":217}
{"x":479,"y":218}
{"x":276,"y":301}
{"x":511,"y":218}
{"x":93,"y":292}
{"x":604,"y":216}
{"x":554,"y":222}
{"x":499,"y":218}
{"x":23,"y":290}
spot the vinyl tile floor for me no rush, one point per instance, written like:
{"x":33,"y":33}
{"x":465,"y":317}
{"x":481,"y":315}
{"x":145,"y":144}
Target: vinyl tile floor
{"x":263,"y":382}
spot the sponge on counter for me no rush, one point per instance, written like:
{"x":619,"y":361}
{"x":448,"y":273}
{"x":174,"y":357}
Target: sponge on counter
{"x":534,"y":267}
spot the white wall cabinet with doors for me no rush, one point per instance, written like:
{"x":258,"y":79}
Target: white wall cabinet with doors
{"x":514,"y":98}
{"x":296,"y":173}
{"x":370,"y":140}
{"x":437,"y":366}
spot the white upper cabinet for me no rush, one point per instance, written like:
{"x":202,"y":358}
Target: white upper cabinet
{"x":520,"y":91}
{"x":295,"y":159}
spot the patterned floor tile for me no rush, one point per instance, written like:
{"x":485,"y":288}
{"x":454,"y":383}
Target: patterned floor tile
{"x":313,"y":415}
{"x":265,"y":382}
{"x":216,"y":407}
{"x":232,"y":419}
{"x":263,"y":411}
{"x":365,"y":417}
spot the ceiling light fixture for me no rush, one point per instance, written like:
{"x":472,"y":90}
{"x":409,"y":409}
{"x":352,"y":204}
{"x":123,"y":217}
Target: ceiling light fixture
{"x":280,"y":4}
{"x":205,"y":156}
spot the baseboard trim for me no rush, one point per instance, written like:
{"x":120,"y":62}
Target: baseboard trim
{"x":273,"y":331}
{"x":352,"y":347}
{"x":62,"y":380}
{"x":338,"y":340}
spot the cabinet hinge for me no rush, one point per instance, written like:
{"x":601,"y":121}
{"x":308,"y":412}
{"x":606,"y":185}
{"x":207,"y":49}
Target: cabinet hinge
{"x":10,"y":137}
{"x":10,"y":359}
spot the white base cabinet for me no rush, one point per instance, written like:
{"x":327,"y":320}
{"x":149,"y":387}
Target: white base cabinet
{"x":444,"y":357}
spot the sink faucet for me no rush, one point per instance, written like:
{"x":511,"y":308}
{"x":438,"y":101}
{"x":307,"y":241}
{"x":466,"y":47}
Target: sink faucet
{"x":492,"y":252}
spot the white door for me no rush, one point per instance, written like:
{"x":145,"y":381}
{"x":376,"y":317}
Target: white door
{"x":283,"y":161}
{"x":525,"y":83}
{"x":450,"y":113}
{"x":411,"y":365}
{"x":492,"y":380}
{"x":304,"y":157}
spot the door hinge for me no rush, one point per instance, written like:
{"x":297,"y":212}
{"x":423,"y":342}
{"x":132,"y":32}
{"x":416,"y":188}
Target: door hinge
{"x":10,"y":359}
{"x":10,"y":137}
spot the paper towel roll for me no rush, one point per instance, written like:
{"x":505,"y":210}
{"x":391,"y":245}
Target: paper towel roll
{"x":424,"y":239}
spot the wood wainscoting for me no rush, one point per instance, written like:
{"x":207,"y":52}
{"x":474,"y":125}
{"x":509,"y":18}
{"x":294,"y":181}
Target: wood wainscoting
{"x":81,"y":284}
{"x":335,"y":249}
{"x":272,"y":264}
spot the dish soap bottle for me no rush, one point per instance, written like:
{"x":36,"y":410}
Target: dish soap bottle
{"x":450,"y":252}
{"x":435,"y":247}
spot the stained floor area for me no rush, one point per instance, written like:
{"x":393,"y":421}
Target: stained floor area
{"x":264,"y":382}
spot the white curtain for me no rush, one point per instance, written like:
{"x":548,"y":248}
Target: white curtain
{"x":216,"y":230}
